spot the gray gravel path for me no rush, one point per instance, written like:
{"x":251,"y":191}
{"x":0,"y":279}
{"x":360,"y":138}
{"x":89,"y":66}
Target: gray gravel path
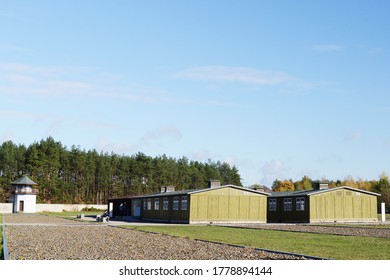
{"x":67,"y":241}
{"x":39,"y":237}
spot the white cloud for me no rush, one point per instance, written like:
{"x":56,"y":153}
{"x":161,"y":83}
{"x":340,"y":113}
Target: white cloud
{"x":28,"y":116}
{"x":169,"y":131}
{"x":53,"y":128}
{"x":231,"y":160}
{"x":20,"y":79}
{"x":4,"y":47}
{"x":23,"y":68}
{"x":353,"y":136}
{"x":105,"y":145}
{"x":201,"y":155}
{"x":327,"y":48}
{"x":375,"y":51}
{"x":7,"y":135}
{"x":42,"y":81}
{"x":235,"y":74}
{"x":274,"y":169}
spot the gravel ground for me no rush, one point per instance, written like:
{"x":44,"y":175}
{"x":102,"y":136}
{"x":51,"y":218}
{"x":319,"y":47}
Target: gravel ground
{"x":111,"y":243}
{"x":39,"y":237}
{"x":71,"y":240}
{"x":339,"y":230}
{"x":35,"y":219}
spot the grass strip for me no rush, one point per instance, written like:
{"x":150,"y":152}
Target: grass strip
{"x":71,"y":214}
{"x":320,"y":245}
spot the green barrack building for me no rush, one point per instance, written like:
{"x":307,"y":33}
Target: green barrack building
{"x":233,"y":204}
{"x":341,"y":204}
{"x":215,"y":204}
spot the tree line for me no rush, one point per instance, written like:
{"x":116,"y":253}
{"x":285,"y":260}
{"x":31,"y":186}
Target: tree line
{"x":78,"y":176}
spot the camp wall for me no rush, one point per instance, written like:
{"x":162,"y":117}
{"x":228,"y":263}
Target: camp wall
{"x":343,"y":205}
{"x":40,"y":207}
{"x":228,"y":204}
{"x":6,"y":208}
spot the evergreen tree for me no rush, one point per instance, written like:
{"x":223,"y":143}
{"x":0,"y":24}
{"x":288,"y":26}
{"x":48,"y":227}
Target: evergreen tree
{"x":78,"y":176}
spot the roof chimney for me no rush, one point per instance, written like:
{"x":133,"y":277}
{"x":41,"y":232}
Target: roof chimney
{"x":167,"y":189}
{"x":214,"y":184}
{"x":322,"y":186}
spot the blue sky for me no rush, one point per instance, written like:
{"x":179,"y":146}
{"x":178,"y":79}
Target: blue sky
{"x":280,"y":89}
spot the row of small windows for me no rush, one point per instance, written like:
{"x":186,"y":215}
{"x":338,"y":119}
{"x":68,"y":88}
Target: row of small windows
{"x":147,"y":203}
{"x":287,"y":204}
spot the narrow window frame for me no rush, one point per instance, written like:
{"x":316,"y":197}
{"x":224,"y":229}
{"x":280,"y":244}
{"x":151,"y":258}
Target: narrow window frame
{"x":175,"y":203}
{"x":184,"y":203}
{"x":272,"y":205}
{"x":165,"y":204}
{"x":144,"y":204}
{"x":149,"y":204}
{"x":287,"y":204}
{"x":300,"y":204}
{"x":157,"y":204}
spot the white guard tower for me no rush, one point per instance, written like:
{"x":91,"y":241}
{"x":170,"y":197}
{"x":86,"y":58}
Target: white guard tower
{"x":24,"y":195}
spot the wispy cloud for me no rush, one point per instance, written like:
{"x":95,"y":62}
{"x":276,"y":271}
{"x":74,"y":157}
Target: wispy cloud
{"x":169,"y":131}
{"x":374,"y":51}
{"x":231,"y":160}
{"x":327,"y":48}
{"x":20,"y":79}
{"x":26,"y":79}
{"x":7,"y":136}
{"x":12,"y":16}
{"x":235,"y":74}
{"x":105,"y":145}
{"x":201,"y":155}
{"x":274,"y":169}
{"x":28,"y":116}
{"x":4,"y":47}
{"x":353,"y":136}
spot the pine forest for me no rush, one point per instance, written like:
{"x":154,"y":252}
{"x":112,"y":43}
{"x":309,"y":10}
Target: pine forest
{"x":78,"y":176}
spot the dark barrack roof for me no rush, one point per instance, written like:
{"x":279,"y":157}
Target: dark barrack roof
{"x":313,"y":192}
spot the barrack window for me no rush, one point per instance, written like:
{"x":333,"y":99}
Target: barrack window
{"x":184,"y":203}
{"x":272,"y":204}
{"x":300,"y":204}
{"x":287,"y":203}
{"x":175,"y":205}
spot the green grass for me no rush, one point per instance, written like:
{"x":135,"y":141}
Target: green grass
{"x":320,"y":245}
{"x":387,"y":217}
{"x":71,"y":214}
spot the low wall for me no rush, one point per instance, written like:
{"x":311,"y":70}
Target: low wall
{"x":40,"y":207}
{"x":5,"y":208}
{"x":68,"y":207}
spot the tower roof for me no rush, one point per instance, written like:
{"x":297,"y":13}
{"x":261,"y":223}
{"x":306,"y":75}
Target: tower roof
{"x":24,"y":181}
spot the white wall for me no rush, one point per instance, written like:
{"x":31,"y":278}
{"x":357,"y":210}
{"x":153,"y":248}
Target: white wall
{"x":7,"y":207}
{"x":29,"y":203}
{"x":68,"y":207}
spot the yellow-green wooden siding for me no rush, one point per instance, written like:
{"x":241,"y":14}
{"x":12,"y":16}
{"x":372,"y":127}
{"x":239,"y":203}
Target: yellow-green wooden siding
{"x":343,"y":205}
{"x":228,"y":204}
